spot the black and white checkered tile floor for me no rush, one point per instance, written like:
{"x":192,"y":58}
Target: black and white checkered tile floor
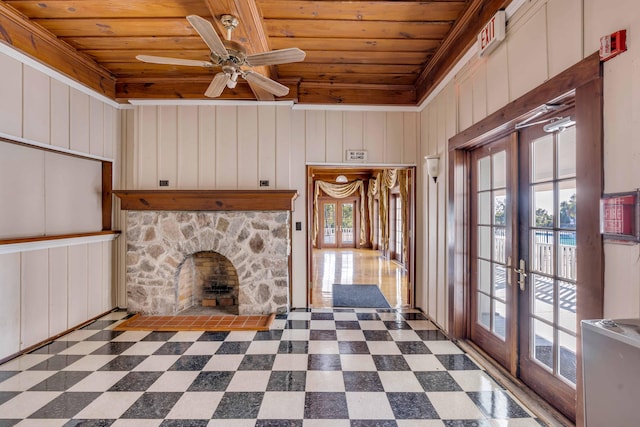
{"x":340,"y":367}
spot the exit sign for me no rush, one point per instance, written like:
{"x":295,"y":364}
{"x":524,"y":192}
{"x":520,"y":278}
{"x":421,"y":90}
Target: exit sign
{"x":492,"y":33}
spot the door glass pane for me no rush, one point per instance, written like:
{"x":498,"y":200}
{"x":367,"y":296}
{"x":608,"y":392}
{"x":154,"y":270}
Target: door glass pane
{"x":484,"y":242}
{"x":542,"y":159}
{"x":347,"y":223}
{"x":499,"y":169}
{"x":542,"y":206}
{"x":484,"y":276}
{"x":484,"y":208}
{"x":329,"y":223}
{"x":542,"y":343}
{"x":499,"y":244}
{"x":542,"y":251}
{"x":499,"y":207}
{"x":567,"y":201}
{"x":567,"y":153}
{"x":499,"y":282}
{"x":543,"y":297}
{"x":567,"y":255}
{"x":499,"y":319}
{"x":484,"y":310}
{"x":567,"y":356}
{"x":567,"y":306}
{"x":484,"y":174}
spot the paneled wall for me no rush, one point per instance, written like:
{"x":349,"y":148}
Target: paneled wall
{"x":544,"y":37}
{"x":46,"y":289}
{"x":236,"y":146}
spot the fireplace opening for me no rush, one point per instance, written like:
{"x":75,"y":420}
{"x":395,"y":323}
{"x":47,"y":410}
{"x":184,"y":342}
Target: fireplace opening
{"x":207,"y":284}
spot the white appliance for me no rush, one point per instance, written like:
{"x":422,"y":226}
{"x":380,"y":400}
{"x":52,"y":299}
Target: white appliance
{"x":611,"y":370}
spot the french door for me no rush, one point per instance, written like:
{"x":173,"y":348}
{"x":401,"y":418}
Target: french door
{"x":338,"y":223}
{"x":523,"y":259}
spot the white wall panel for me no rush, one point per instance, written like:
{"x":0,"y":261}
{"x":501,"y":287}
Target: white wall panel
{"x":95,"y":294}
{"x":11,"y":90}
{"x":9,"y":303}
{"x":60,"y":124}
{"x":267,"y":145}
{"x":527,"y":50}
{"x":206,"y":147}
{"x":108,"y":283}
{"x":36,"y":101}
{"x":298,"y":239}
{"x":21,"y":178}
{"x":73,"y":199}
{"x":410,"y":129}
{"x":248,"y":147}
{"x":564,"y":26}
{"x":374,"y":135}
{"x":168,"y":144}
{"x":334,"y":145}
{"x":79,"y":121}
{"x":315,"y":136}
{"x":354,"y":130}
{"x":110,"y":131}
{"x":35,"y":297}
{"x":621,"y":278}
{"x":187,"y":148}
{"x":77,"y":287}
{"x":58,"y":296}
{"x":96,"y":127}
{"x":465,"y":103}
{"x":283,"y":147}
{"x":226,"y":147}
{"x":394,"y":147}
{"x":480,"y":93}
{"x":497,"y":79}
{"x":147,"y":148}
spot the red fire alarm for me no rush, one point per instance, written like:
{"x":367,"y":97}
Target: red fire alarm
{"x":613,"y":44}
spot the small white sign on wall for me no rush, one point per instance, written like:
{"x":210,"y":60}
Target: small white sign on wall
{"x":492,"y":33}
{"x":355,"y":156}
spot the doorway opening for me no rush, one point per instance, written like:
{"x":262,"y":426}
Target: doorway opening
{"x":361,"y":231}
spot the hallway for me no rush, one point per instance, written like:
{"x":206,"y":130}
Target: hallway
{"x":357,"y":266}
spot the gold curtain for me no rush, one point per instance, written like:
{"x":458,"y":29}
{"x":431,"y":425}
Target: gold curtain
{"x":373,"y":190}
{"x":403,"y":183}
{"x":339,"y":191}
{"x":387,"y":180}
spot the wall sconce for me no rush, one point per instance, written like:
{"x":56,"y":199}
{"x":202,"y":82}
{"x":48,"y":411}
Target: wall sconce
{"x":341,"y":179}
{"x":433,"y":166}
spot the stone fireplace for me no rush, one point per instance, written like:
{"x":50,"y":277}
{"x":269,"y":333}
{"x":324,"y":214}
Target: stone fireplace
{"x":215,"y":250}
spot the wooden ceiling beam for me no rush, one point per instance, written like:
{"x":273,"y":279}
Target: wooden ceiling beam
{"x":329,"y":93}
{"x":301,"y":68}
{"x":362,"y":10}
{"x":359,"y":78}
{"x":17,"y":31}
{"x":462,"y":36}
{"x":189,"y":88}
{"x":250,"y":32}
{"x":352,"y":44}
{"x":93,"y":9}
{"x":357,"y":29}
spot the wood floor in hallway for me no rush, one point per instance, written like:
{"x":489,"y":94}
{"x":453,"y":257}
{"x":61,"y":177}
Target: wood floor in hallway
{"x":357,"y":266}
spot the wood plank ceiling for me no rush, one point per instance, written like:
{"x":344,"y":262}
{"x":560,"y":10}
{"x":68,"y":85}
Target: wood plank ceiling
{"x":357,"y":52}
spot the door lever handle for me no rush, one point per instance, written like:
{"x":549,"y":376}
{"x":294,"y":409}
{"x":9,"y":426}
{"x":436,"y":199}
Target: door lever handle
{"x":521,"y":275}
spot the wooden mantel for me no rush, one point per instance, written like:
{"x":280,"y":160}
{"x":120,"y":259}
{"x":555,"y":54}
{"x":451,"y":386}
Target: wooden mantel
{"x":207,"y":200}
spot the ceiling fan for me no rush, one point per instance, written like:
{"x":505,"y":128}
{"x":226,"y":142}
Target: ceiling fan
{"x":232,"y":58}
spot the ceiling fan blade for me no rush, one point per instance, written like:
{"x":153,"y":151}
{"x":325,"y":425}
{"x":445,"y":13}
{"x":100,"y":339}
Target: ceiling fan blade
{"x":209,"y":35}
{"x":281,"y":56}
{"x":260,"y":93}
{"x":266,"y":83}
{"x":173,"y":61}
{"x":217,"y":85}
